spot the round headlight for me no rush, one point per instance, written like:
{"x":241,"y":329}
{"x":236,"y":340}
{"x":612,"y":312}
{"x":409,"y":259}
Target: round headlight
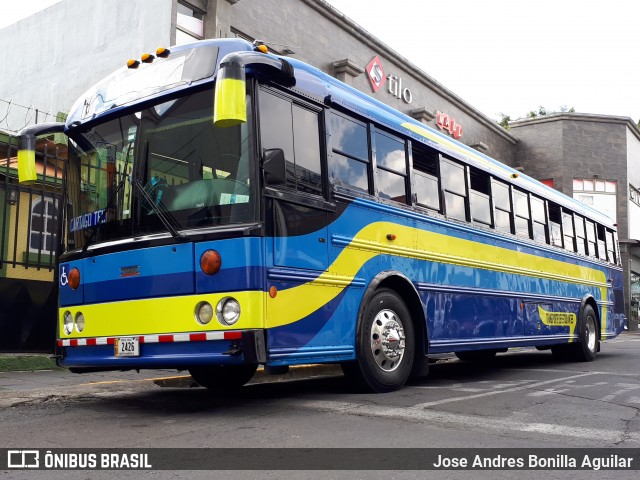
{"x":204,"y":312}
{"x":79,"y":322}
{"x":68,"y":322}
{"x":228,"y":311}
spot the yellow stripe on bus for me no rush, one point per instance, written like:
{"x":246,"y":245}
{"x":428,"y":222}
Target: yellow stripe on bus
{"x":177,"y":314}
{"x":298,"y":302}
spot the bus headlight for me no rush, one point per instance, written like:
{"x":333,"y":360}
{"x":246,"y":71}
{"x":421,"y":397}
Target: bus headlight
{"x":68,"y":322}
{"x":228,"y":311}
{"x":204,"y":312}
{"x":79,"y":322}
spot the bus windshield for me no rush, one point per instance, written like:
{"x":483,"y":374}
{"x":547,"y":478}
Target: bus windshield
{"x":168,"y":161}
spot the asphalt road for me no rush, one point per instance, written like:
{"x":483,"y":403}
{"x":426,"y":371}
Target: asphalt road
{"x":525,"y":399}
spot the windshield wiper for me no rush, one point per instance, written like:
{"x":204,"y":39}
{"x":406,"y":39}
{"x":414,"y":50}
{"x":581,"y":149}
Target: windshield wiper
{"x":167,"y":219}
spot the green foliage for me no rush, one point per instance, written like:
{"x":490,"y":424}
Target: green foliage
{"x":504,"y":120}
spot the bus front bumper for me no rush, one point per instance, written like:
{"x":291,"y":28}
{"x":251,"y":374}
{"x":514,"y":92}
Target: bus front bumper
{"x":179,"y":350}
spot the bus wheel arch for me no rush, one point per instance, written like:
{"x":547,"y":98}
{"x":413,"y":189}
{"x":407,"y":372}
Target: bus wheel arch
{"x":389,"y":308}
{"x":588,"y":330}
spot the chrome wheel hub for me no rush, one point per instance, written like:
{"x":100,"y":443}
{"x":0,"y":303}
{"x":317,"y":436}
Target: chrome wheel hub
{"x":387,"y":340}
{"x":590,"y":326}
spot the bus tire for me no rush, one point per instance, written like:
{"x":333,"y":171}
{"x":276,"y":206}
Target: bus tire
{"x":587,"y":347}
{"x":223,"y":378}
{"x":385,"y":345}
{"x":479,"y":356}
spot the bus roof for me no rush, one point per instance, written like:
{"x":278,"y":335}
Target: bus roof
{"x":191,"y":65}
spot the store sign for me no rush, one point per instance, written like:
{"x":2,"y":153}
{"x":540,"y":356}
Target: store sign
{"x":445,"y":122}
{"x":377,"y":78}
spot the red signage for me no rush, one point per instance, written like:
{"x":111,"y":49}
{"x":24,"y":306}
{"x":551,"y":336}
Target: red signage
{"x":445,"y":122}
{"x":376,"y":74}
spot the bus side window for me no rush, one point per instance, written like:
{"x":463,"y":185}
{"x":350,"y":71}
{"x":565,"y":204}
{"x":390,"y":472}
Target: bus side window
{"x":349,"y":158}
{"x":391,"y":167}
{"x":539,"y":217}
{"x":480,"y":197}
{"x":426,"y":185}
{"x":500,"y":193}
{"x":568,"y":231}
{"x":295,"y":130}
{"x":611,"y":256}
{"x":454,"y":187}
{"x":522,"y":216}
{"x":602,"y":249}
{"x":591,"y":239}
{"x":581,"y":236}
{"x":556,"y":227}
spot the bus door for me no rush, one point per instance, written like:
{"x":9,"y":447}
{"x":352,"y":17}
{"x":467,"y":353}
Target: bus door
{"x":296,"y":217}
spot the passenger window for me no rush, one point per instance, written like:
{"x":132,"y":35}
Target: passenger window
{"x":391,"y":163}
{"x":581,"y":237}
{"x":539,"y":217}
{"x":295,"y":130}
{"x":480,"y":199}
{"x":591,"y":239}
{"x":568,"y":231}
{"x":555,"y":225}
{"x":521,"y":210}
{"x":602,"y":250}
{"x":349,"y":160}
{"x":454,"y":187}
{"x":610,"y":247}
{"x":502,"y":206}
{"x":425,"y":177}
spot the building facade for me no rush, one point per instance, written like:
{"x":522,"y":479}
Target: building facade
{"x":578,"y":154}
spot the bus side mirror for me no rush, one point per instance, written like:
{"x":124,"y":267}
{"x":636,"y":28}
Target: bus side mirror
{"x":274,"y":167}
{"x":27,"y":149}
{"x":229,"y":97}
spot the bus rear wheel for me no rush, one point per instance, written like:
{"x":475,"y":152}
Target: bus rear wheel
{"x":385,"y":345}
{"x":587,"y":347}
{"x":223,"y":378}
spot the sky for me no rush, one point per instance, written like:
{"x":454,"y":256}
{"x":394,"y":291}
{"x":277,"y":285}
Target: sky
{"x":502,"y":56}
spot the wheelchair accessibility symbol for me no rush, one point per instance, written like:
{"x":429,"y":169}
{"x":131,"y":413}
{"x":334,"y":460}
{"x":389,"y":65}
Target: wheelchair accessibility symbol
{"x":63,"y":275}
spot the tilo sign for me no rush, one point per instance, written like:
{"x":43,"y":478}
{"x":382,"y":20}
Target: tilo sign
{"x":376,"y":75}
{"x":377,"y":78}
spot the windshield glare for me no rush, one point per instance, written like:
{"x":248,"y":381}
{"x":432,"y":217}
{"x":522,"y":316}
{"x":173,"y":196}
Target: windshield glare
{"x":192,"y":173}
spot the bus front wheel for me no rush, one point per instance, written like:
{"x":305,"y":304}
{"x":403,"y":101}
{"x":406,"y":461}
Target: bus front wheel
{"x":223,"y":378}
{"x":385,"y":345}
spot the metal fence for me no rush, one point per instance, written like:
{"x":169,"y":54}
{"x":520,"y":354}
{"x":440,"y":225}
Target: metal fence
{"x":30,"y":235}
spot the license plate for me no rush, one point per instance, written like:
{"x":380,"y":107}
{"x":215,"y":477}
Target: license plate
{"x":127,"y":347}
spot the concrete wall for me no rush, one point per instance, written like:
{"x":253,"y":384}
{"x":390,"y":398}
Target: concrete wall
{"x":320,"y":35}
{"x":50,"y":58}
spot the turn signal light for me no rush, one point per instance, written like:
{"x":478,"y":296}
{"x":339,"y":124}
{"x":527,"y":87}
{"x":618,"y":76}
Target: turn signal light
{"x":74,"y":278}
{"x":210,"y":262}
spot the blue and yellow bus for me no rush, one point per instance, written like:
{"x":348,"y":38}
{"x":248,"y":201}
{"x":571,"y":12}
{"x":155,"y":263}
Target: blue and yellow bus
{"x":228,"y":208}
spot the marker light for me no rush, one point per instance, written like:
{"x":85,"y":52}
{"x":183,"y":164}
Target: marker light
{"x":163,"y":52}
{"x":204,"y":312}
{"x":228,"y":311}
{"x":261,"y":48}
{"x":210,"y":262}
{"x":133,"y":63}
{"x":147,"y":58}
{"x":79,"y":322}
{"x":74,"y":278}
{"x":68,"y":322}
